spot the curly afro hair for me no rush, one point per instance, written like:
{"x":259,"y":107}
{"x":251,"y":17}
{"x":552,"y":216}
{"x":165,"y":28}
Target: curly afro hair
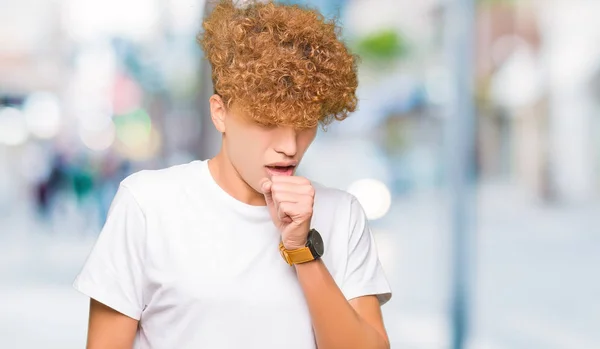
{"x":279,"y":64}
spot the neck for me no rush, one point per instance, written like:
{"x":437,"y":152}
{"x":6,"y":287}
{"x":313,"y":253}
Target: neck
{"x":228,"y":178}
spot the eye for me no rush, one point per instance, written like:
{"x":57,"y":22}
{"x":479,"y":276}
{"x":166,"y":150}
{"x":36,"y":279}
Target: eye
{"x":268,"y":126}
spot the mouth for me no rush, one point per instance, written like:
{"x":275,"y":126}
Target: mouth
{"x":281,"y":169}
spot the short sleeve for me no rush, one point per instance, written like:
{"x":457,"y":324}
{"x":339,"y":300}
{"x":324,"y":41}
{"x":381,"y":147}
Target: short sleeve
{"x":364,"y":274}
{"x":113,"y":272}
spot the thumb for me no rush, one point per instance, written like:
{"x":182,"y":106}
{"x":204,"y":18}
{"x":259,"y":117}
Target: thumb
{"x":265,"y":186}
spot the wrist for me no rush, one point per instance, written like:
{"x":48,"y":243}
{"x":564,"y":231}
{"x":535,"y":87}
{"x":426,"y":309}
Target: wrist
{"x":302,"y":250}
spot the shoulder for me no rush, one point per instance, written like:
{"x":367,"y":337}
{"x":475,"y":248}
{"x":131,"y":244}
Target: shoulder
{"x":149,"y":186}
{"x":328,"y":198}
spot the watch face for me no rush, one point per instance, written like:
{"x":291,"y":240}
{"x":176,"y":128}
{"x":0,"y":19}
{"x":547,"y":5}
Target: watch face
{"x":315,"y":242}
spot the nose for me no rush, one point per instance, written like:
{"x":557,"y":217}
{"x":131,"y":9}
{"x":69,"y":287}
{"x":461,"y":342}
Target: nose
{"x":286,"y":141}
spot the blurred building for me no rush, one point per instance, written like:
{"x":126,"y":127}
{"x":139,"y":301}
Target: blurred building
{"x":538,"y":114}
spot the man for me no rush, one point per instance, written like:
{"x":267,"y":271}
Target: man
{"x":237,"y":251}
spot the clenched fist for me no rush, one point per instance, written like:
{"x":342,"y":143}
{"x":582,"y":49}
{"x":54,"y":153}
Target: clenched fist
{"x":290,"y":201}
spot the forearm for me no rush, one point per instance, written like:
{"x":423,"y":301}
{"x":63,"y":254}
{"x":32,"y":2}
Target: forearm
{"x":336,"y":324}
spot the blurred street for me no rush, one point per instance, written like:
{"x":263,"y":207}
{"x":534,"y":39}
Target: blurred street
{"x":536,"y":282}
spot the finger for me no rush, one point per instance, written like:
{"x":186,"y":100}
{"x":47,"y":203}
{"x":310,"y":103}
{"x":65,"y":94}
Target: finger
{"x":284,"y":212}
{"x":290,"y":179}
{"x":305,"y":189}
{"x":285,"y":196}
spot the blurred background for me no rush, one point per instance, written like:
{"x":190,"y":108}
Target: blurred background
{"x":91,"y":91}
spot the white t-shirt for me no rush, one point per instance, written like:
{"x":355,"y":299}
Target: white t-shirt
{"x":201,"y":269}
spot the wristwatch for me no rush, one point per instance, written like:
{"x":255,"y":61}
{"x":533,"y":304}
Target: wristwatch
{"x":312,"y":250}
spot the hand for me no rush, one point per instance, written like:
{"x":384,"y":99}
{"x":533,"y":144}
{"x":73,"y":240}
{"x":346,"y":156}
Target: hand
{"x":290,"y":201}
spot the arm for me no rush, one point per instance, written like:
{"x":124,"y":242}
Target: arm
{"x":108,"y":328}
{"x":113,"y":276}
{"x":339,"y":323}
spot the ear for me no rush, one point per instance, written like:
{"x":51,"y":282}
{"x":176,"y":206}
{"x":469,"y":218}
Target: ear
{"x":218,"y":112}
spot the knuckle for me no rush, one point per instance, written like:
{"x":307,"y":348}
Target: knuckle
{"x":308,"y":213}
{"x":310,"y":190}
{"x":303,"y":180}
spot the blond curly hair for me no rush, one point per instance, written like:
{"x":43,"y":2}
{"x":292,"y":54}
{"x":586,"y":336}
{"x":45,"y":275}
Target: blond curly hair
{"x":280,"y":64}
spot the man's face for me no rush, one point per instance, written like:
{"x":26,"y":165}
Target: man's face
{"x":257,"y":151}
